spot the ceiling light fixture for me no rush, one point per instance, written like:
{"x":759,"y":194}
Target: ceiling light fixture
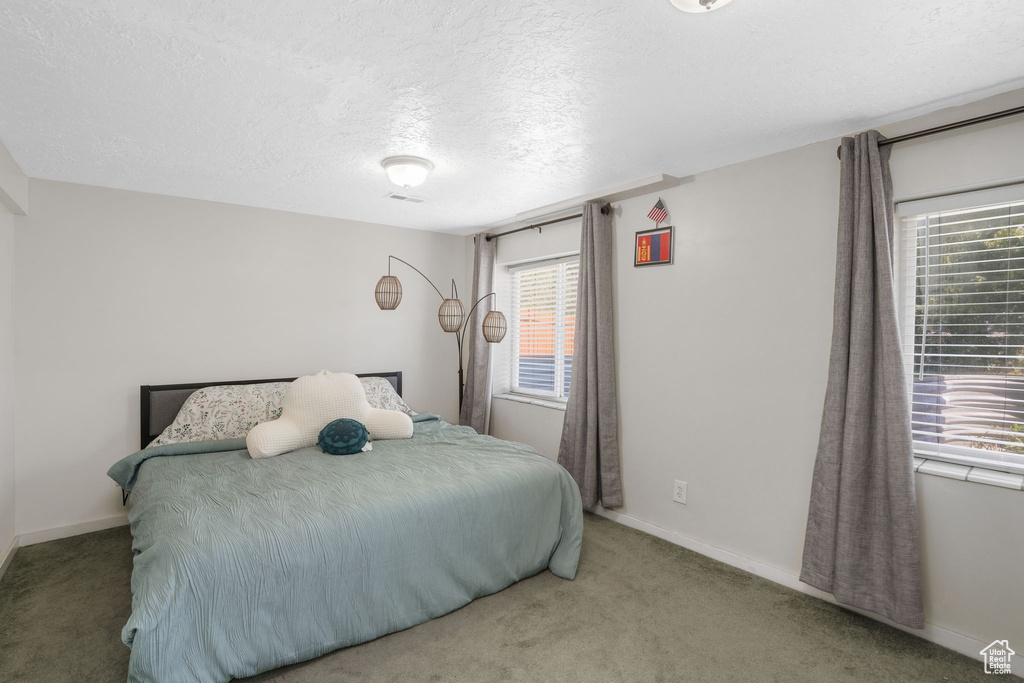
{"x":408,"y":171}
{"x":699,"y":6}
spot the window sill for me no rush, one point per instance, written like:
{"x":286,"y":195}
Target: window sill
{"x":532,"y":400}
{"x":978,"y":475}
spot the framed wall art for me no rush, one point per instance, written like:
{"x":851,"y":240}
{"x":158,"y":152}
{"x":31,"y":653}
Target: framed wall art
{"x":653,"y":247}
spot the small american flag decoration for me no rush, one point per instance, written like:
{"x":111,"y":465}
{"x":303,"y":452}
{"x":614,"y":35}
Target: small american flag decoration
{"x":659,"y":213}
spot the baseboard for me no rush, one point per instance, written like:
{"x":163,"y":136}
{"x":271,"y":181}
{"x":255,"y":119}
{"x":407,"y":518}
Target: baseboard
{"x":43,"y":535}
{"x":8,"y":555}
{"x":952,"y":640}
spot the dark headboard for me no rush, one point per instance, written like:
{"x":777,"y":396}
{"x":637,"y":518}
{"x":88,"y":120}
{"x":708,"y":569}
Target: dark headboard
{"x":159,"y":403}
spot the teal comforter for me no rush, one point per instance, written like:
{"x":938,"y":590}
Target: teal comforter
{"x":245,"y":565}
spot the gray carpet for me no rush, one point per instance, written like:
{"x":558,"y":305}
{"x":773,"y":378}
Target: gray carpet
{"x":640,"y":609}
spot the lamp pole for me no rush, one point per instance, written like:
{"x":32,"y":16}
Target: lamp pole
{"x":462,"y":338}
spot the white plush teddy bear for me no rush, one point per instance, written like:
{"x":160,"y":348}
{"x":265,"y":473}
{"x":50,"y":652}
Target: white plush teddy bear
{"x":313,"y":401}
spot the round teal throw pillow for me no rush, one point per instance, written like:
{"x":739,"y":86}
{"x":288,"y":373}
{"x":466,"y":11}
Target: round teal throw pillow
{"x":343,"y":437}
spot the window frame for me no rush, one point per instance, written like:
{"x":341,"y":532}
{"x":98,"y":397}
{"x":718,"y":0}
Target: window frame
{"x":513,"y":365}
{"x":905,"y":274}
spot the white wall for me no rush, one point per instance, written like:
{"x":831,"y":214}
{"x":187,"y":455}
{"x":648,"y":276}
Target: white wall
{"x":508,"y":419}
{"x":116,"y":289}
{"x":722,"y":361}
{"x":6,"y":380}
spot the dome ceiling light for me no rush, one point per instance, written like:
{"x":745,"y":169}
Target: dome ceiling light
{"x":408,"y":171}
{"x":699,"y":6}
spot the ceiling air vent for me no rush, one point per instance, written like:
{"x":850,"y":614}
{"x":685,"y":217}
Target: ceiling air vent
{"x":404,"y":198}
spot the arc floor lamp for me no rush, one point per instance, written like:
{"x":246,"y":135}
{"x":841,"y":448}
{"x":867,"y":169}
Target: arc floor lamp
{"x":451,"y":315}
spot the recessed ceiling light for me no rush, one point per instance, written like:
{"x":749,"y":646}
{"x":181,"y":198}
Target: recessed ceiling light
{"x":408,"y":171}
{"x":699,"y":6}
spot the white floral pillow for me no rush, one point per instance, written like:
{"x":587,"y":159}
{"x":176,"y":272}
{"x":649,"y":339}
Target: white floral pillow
{"x":230,"y":411}
{"x":223,"y":412}
{"x":381,"y":394}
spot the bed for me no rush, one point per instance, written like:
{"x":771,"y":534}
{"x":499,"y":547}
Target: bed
{"x":242,"y":565}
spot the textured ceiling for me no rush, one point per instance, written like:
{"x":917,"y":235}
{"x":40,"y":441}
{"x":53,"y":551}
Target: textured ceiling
{"x":292,"y":105}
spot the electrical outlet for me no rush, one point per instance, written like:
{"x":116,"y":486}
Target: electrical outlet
{"x":679,"y":492}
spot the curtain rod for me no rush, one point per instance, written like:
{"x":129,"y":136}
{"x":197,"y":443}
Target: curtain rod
{"x":943,"y":128}
{"x":537,"y":226}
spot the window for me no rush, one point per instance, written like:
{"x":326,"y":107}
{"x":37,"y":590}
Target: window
{"x":543,"y":321}
{"x":963,"y":290}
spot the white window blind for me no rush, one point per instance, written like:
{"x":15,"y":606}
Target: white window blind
{"x":543,"y":322}
{"x":963,"y":289}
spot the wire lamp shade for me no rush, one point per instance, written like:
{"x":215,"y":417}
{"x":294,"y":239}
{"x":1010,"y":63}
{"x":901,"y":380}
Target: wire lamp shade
{"x":451,"y":314}
{"x":388,"y":293}
{"x":494,"y":326}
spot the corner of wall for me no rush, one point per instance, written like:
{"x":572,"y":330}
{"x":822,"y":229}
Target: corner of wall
{"x":14,"y":195}
{"x":8,"y":527}
{"x":13,"y":184}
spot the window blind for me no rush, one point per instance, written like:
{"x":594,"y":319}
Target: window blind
{"x":543,"y":322}
{"x":963,"y":288}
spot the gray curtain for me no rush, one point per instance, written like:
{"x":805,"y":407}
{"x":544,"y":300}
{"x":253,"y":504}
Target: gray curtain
{"x":589,"y":449}
{"x":476,"y":403}
{"x":861,"y":543}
